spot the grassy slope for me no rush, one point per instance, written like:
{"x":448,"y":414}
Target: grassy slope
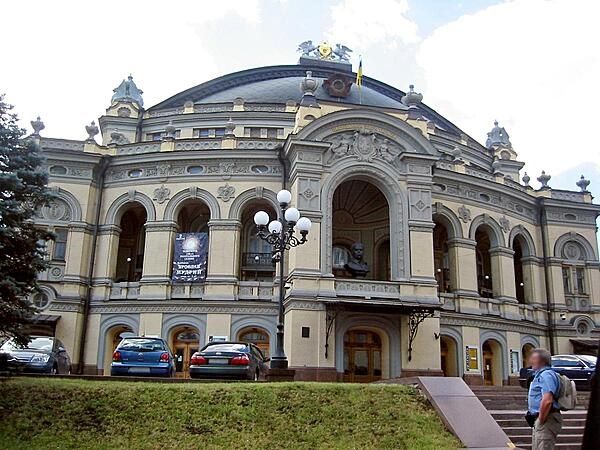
{"x":76,"y":414}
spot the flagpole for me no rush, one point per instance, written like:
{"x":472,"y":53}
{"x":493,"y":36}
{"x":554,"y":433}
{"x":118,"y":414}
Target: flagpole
{"x":359,"y":79}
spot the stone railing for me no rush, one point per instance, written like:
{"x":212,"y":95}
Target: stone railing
{"x":125,"y":291}
{"x":256,"y":144}
{"x":61,"y":144}
{"x":577,"y":197}
{"x":198,"y":144}
{"x":136,"y":149}
{"x":54,"y":272}
{"x":366,"y":288}
{"x":577,"y":302}
{"x":187,"y":291}
{"x":255,"y":290}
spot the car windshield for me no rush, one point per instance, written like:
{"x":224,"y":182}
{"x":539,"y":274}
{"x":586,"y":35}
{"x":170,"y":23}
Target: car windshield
{"x":36,"y":343}
{"x":142,"y":345}
{"x":590,"y":360}
{"x":226,"y":348}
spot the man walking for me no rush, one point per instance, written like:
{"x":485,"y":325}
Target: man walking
{"x":543,"y":412}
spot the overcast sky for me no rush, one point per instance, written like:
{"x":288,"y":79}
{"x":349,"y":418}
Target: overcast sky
{"x":534,"y":65}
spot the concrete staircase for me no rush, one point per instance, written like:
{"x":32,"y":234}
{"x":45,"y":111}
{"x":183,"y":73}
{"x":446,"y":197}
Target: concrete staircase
{"x":507,"y":405}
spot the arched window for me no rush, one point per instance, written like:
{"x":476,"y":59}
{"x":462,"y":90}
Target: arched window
{"x":518,"y":269}
{"x":256,"y":255}
{"x":132,"y":240}
{"x":256,"y":336}
{"x":441,"y":258}
{"x":573,"y":270}
{"x":484,"y":262}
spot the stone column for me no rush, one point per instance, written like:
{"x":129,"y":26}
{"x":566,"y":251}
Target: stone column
{"x":503,"y":282}
{"x":158,"y":256}
{"x":107,"y":246}
{"x":223,"y":259}
{"x":503,"y":274}
{"x":463,"y":266}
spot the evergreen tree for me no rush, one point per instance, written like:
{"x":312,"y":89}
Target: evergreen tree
{"x":22,"y":192}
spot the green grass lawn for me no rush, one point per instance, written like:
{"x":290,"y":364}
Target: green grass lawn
{"x":80,"y":414}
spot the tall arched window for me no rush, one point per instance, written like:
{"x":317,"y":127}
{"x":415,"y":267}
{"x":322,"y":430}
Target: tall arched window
{"x":256,"y":255}
{"x":484,"y":262}
{"x":441,"y":258}
{"x":518,"y":269}
{"x":132,"y":240}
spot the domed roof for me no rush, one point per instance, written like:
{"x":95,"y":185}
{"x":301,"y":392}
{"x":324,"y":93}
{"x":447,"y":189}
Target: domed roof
{"x":279,"y":84}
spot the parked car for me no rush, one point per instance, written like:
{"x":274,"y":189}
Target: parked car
{"x":579,"y":368}
{"x":43,"y":354}
{"x":228,"y":360}
{"x":143,"y":356}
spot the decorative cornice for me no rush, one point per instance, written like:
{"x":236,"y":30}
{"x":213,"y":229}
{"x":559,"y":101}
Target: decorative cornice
{"x":192,"y":308}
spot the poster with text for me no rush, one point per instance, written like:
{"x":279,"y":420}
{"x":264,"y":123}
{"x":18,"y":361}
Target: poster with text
{"x":190,"y":257}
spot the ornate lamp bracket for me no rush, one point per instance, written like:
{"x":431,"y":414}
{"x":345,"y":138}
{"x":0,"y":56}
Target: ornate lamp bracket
{"x":415,"y":318}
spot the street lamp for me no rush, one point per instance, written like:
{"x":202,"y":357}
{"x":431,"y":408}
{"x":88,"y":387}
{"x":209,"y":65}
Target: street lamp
{"x":280,"y":234}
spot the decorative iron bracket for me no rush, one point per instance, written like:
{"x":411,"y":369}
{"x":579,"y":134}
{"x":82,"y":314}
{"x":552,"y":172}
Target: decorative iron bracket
{"x":415,"y":318}
{"x":330,"y":316}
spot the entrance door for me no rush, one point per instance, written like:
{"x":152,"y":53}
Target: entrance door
{"x":362,"y":356}
{"x":488,"y":364}
{"x":185,"y":344}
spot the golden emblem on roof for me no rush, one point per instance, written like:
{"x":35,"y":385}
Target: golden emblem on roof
{"x":325,"y":50}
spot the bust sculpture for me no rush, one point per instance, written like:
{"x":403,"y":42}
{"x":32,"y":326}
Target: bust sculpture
{"x":356,"y":266}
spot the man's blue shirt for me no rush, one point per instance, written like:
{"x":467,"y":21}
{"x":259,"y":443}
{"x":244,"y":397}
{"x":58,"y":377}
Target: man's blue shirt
{"x":544,"y":380}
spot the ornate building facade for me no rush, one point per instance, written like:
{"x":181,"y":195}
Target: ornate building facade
{"x":469,"y":268}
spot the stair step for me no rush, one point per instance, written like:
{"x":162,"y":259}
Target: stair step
{"x":507,"y":406}
{"x":558,"y":446}
{"x":519,"y":422}
{"x":561,"y":438}
{"x":526,"y":431}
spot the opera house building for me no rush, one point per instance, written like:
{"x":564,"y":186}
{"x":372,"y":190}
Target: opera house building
{"x":429,"y":252}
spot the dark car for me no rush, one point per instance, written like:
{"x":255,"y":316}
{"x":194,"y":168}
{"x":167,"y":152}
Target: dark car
{"x":228,"y":360}
{"x":143,"y":356}
{"x":43,"y":354}
{"x":579,"y":368}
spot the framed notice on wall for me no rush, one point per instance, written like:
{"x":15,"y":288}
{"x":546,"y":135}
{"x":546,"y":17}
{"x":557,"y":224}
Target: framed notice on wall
{"x":471,"y":359}
{"x":190,"y":257}
{"x":515,"y":363}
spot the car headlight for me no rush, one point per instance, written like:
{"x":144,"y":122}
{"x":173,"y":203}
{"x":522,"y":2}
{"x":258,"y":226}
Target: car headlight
{"x":40,"y":359}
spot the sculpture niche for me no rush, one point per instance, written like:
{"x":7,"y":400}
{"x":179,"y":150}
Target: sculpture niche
{"x":356,"y":267}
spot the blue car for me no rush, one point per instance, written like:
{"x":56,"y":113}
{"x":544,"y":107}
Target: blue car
{"x":43,"y":354}
{"x":143,"y":356}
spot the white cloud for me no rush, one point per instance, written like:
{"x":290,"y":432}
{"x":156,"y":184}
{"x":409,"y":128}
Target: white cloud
{"x":532,"y":64}
{"x":360,"y":24}
{"x":69,"y":58}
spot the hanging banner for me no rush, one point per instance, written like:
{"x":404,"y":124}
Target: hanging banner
{"x":190,"y":257}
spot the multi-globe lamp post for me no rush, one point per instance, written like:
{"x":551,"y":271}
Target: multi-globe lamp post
{"x":281,"y":234}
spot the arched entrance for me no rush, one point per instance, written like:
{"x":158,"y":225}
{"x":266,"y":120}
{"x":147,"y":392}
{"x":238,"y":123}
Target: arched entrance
{"x":449,"y":356}
{"x":526,"y":353}
{"x":256,"y":336}
{"x":185,"y":341}
{"x":362,"y":356}
{"x":112,"y":339}
{"x":492,"y":363}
